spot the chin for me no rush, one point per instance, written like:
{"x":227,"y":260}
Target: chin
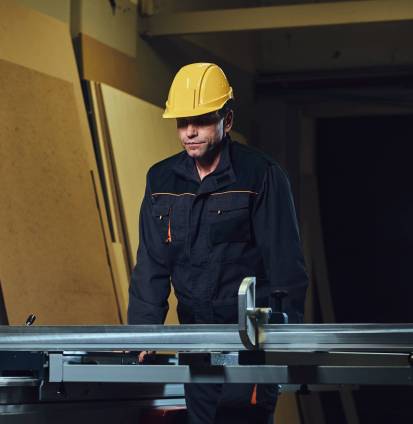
{"x":195,"y":153}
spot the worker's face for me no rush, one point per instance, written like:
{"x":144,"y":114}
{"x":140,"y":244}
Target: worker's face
{"x":200,"y":135}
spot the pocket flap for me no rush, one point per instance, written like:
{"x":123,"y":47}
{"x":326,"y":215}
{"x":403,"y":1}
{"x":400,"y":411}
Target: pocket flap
{"x":229,"y":202}
{"x":160,"y":211}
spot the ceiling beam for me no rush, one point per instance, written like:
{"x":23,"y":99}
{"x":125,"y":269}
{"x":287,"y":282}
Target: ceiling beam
{"x":276,"y":17}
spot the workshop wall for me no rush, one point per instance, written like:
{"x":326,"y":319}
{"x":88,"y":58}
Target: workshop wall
{"x":53,"y":257}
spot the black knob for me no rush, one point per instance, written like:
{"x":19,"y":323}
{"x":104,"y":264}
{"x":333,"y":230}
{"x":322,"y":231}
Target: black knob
{"x":278,"y":296}
{"x":30,"y":320}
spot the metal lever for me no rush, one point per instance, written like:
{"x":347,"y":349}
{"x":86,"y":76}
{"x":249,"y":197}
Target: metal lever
{"x":250,"y":318}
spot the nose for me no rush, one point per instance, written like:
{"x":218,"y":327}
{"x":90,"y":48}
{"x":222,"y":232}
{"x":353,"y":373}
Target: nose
{"x":191,"y":131}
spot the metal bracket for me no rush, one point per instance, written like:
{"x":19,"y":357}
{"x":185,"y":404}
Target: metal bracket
{"x":250,"y":318}
{"x":208,"y":359}
{"x":55,"y":367}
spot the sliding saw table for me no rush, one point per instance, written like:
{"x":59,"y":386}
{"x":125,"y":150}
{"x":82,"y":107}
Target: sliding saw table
{"x":44,"y":360}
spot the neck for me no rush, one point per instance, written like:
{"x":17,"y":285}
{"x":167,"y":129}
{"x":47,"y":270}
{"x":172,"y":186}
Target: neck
{"x":206,"y":168}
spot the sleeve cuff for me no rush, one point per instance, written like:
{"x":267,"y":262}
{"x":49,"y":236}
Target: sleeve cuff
{"x":140,"y":313}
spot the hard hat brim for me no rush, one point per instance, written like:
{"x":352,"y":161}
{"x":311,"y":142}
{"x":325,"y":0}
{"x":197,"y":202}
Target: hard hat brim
{"x":189,"y":113}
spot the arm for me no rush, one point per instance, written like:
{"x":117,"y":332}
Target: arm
{"x":150,"y":282}
{"x":276,"y":233}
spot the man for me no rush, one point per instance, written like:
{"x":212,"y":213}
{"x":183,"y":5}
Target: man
{"x":213,"y":214}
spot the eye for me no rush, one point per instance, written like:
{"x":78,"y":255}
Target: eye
{"x":182,"y":122}
{"x":199,"y":121}
{"x":207,"y":119}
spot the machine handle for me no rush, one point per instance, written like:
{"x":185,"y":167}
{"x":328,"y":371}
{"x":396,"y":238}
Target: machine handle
{"x":250,"y":318}
{"x":278,"y":316}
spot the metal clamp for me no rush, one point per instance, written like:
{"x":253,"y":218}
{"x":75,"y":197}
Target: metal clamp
{"x":250,"y":318}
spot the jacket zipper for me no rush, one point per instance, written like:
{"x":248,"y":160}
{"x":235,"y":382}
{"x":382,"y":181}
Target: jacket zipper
{"x":169,"y":236}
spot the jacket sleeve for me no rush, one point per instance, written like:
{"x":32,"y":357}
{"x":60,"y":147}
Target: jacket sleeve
{"x":150,"y":282}
{"x":276,"y":233}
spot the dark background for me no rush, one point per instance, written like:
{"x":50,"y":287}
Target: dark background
{"x":364,"y":167}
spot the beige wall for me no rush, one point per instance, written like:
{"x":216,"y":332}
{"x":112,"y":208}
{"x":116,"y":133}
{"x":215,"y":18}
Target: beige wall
{"x":59,"y":9}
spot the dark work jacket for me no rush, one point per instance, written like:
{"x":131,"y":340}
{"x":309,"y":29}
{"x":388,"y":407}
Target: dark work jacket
{"x":206,"y":236}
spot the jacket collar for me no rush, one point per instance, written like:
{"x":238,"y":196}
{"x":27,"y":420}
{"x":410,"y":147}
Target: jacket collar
{"x":223,"y":176}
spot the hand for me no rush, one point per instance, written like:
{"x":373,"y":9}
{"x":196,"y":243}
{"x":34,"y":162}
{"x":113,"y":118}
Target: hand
{"x":144,"y":354}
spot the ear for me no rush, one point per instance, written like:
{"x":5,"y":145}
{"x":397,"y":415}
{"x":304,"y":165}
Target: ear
{"x":228,"y":121}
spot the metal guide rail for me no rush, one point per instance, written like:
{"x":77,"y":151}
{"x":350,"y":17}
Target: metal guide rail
{"x":250,"y":352}
{"x":274,"y":337}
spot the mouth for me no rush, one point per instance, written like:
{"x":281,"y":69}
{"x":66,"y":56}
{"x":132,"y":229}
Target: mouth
{"x":194,"y":145}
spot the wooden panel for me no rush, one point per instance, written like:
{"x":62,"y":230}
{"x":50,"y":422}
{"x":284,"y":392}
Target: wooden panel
{"x":139,"y":137}
{"x":122,"y":277}
{"x":41,"y":43}
{"x":53,"y":260}
{"x":118,"y":253}
{"x":287,"y":409}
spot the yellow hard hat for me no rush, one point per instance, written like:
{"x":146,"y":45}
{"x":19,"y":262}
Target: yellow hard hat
{"x":197,"y":89}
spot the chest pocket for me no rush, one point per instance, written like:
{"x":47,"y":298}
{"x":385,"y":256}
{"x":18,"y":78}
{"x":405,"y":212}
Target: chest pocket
{"x":170,"y":220}
{"x":169,"y":215}
{"x":162,"y":216}
{"x":229,"y":217}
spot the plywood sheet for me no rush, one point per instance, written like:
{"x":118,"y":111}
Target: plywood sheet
{"x":139,"y":137}
{"x":122,"y":276}
{"x":39,"y":42}
{"x":53,"y":258}
{"x":106,"y":166}
{"x":287,"y":409}
{"x":119,"y":257}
